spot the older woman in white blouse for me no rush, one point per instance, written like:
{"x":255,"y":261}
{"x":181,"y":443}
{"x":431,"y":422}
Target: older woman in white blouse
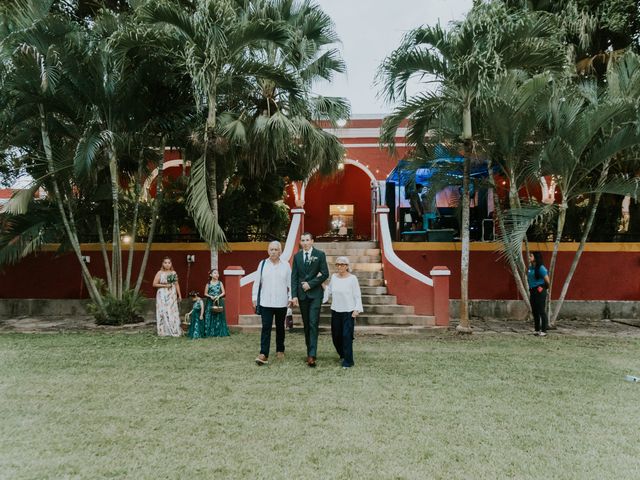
{"x":346,"y":305}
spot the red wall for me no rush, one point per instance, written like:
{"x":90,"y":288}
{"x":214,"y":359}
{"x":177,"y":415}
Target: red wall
{"x":352,"y":187}
{"x":611,"y":272}
{"x":48,"y":275}
{"x":601,"y":275}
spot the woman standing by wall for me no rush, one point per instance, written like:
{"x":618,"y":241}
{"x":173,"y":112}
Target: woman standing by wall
{"x":167,"y":298}
{"x":538,"y":278}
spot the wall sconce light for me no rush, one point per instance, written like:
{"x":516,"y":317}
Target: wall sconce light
{"x":341,"y":122}
{"x":86,"y":259}
{"x":126,"y":239}
{"x":191,"y":259}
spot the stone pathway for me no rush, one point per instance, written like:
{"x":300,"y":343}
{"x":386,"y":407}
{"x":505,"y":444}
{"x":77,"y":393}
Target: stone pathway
{"x":576,"y":327}
{"x":570,"y":326}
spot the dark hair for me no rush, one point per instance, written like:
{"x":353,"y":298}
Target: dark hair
{"x":307,"y":233}
{"x":539,"y":262}
{"x":194,"y":293}
{"x":211,"y":272}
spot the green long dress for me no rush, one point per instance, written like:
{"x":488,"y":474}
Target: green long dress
{"x":215,"y":324}
{"x":196,"y":327}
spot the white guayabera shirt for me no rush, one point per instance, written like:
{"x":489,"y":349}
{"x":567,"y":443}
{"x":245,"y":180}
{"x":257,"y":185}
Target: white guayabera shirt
{"x":276,"y":284}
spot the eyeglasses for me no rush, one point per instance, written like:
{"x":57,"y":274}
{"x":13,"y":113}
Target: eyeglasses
{"x":341,"y":264}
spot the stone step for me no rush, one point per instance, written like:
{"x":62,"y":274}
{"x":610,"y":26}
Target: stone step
{"x":363,"y":319}
{"x":373,"y":290}
{"x":351,"y":252}
{"x":380,"y":309}
{"x":366,"y":275}
{"x":331,"y":259}
{"x":361,"y":267}
{"x":370,"y":282}
{"x":379,"y":299}
{"x":344,"y":245}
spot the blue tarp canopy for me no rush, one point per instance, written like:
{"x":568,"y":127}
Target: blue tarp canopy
{"x":404,"y":172}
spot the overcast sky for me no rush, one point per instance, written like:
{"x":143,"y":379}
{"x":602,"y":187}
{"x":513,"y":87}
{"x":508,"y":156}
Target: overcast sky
{"x":370,"y":30}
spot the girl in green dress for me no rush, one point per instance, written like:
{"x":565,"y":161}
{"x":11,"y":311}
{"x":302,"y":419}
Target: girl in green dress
{"x":196,"y":317}
{"x":215,"y":323}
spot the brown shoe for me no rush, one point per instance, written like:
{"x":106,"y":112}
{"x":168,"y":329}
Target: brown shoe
{"x":261,"y":360}
{"x":280,"y":355}
{"x":311,"y":361}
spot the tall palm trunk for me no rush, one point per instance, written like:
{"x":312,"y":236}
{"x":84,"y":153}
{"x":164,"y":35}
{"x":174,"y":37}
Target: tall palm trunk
{"x":467,"y":134}
{"x":103,"y":250}
{"x":514,"y":202}
{"x":69,"y":230}
{"x":134,"y":223}
{"x":154,"y":218}
{"x":583,"y":242}
{"x":212,"y":186}
{"x":515,"y":271}
{"x":562,"y":215}
{"x":116,"y":253}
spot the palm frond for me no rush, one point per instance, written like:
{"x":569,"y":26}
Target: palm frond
{"x":198,"y":205}
{"x":517,"y":222}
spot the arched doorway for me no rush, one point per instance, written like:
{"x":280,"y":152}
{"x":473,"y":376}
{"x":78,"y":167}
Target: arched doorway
{"x":341,"y":205}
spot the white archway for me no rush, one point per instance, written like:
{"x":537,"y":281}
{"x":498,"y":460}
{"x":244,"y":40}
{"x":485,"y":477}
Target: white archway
{"x":154,"y":173}
{"x":300,"y":193}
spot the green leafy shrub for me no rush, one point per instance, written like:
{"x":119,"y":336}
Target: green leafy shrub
{"x":119,"y":312}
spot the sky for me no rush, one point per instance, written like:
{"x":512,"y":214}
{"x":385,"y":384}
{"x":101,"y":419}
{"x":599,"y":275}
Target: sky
{"x":372,"y":29}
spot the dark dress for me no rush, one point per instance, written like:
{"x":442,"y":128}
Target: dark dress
{"x":215,"y":324}
{"x":196,"y":328}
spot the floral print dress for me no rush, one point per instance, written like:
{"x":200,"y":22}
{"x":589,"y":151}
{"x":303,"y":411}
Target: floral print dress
{"x":167,"y":312}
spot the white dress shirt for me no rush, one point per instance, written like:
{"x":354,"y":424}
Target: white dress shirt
{"x":345,"y":293}
{"x":276,"y":284}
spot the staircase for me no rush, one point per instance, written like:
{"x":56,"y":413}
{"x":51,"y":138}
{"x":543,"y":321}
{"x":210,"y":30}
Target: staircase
{"x":382,"y":314}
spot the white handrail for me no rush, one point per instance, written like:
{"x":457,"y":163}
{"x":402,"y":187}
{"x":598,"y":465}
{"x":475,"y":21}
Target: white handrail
{"x":390,"y":254}
{"x":292,"y":238}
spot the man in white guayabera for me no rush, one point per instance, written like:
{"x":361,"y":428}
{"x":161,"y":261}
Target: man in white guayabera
{"x":271,"y":296}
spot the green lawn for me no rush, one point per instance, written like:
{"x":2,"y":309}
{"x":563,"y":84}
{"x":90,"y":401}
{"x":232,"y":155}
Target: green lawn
{"x":489,"y":406}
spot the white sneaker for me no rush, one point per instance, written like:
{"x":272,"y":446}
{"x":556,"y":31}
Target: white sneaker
{"x":542,"y":334}
{"x":536,"y":333}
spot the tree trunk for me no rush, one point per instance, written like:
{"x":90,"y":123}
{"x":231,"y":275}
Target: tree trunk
{"x":562,"y":214}
{"x":105,"y":256}
{"x":467,"y":135}
{"x":524,"y":293}
{"x":464,"y":325}
{"x":154,"y":219}
{"x":212,"y":185}
{"x":71,"y":233}
{"x":116,"y":252}
{"x":134,"y":224}
{"x":583,"y":242}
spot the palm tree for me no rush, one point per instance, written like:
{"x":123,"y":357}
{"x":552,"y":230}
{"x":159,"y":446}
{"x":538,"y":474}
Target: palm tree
{"x":34,"y":55}
{"x":278,"y":128}
{"x":589,"y":132}
{"x":214,"y":40}
{"x":103,"y":112}
{"x":463,"y":64}
{"x":510,"y":137}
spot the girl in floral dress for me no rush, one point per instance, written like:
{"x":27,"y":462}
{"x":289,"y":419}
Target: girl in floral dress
{"x":167,"y":298}
{"x":215,"y":323}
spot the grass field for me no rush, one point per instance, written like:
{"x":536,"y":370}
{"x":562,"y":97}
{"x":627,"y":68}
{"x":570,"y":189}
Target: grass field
{"x":438,"y":407}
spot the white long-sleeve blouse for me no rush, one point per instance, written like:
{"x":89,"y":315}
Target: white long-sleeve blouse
{"x":345,"y":293}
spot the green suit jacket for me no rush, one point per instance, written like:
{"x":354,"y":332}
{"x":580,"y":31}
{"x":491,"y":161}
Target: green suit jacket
{"x":314,"y":273}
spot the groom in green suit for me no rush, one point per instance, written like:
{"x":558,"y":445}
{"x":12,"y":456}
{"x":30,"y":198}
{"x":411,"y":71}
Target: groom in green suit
{"x":307,"y":274}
